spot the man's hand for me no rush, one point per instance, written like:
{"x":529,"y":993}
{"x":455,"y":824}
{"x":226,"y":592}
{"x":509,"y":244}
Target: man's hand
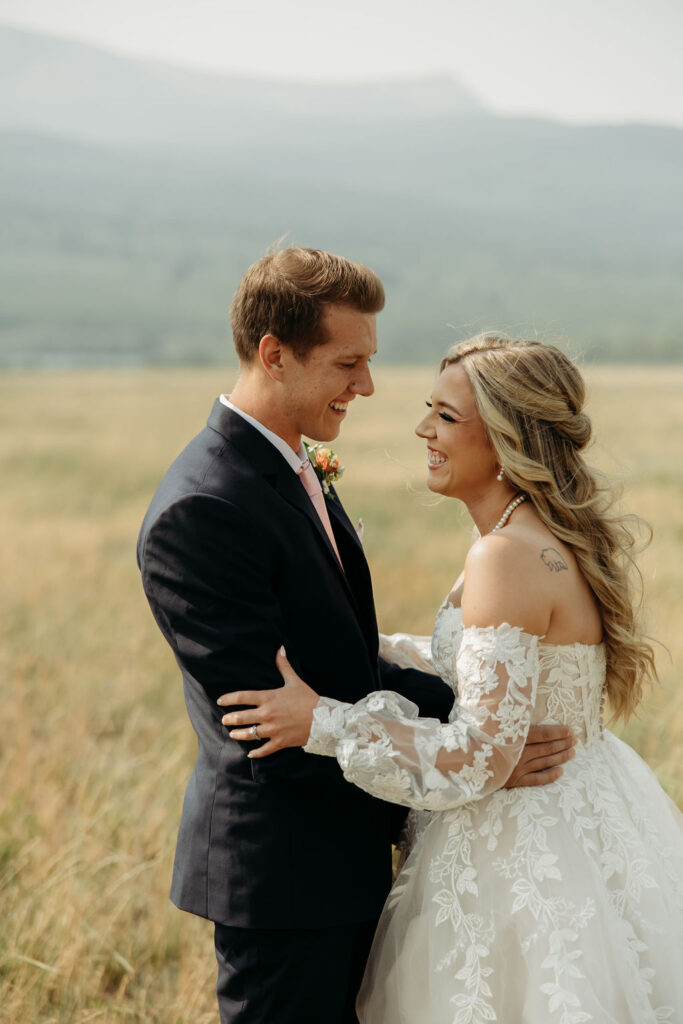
{"x":546,"y":749}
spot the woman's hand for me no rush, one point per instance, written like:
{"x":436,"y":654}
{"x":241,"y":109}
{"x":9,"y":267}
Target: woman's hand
{"x":282,"y":717}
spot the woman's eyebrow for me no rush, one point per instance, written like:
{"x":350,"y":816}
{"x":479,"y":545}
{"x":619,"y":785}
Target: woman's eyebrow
{"x":452,"y":408}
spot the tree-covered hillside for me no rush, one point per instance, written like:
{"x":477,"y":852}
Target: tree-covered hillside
{"x":114,"y":252}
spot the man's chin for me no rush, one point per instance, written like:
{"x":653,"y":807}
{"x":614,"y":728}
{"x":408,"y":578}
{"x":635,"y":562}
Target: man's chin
{"x":323,"y":435}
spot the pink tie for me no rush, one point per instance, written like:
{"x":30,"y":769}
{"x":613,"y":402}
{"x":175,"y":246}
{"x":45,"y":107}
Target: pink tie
{"x":309,"y":479}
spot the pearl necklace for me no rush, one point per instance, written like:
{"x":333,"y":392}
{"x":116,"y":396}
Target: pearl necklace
{"x":508,"y":512}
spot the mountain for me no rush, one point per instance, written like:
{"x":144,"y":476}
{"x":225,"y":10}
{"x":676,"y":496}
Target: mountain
{"x":122,"y":242}
{"x":58,"y":86}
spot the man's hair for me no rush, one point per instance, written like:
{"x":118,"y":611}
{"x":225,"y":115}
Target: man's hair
{"x":283,"y":294}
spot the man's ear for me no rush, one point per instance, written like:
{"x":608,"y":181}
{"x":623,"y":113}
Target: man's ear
{"x":270,"y":354}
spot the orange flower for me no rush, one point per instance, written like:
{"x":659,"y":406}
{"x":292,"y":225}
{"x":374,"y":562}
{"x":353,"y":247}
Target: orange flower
{"x":327,"y":465}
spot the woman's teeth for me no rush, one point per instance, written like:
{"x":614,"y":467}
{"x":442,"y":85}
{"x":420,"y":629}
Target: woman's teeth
{"x":339,"y":406}
{"x":435,"y":458}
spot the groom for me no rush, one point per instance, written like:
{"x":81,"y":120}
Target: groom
{"x":240,"y":553}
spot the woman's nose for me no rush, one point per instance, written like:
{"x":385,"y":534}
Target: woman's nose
{"x":425,"y":428}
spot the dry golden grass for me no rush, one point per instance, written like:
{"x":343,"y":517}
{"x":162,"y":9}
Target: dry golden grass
{"x":95,"y":748}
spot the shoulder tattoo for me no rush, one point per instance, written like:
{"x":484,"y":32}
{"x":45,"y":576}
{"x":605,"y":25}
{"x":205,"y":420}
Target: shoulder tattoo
{"x":553,"y":559}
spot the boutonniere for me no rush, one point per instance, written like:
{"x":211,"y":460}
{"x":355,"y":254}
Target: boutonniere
{"x":326,"y":464}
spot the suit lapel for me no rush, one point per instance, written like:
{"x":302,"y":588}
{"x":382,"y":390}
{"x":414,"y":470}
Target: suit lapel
{"x":355,"y":576}
{"x":339,"y":518}
{"x":290,"y":487}
{"x":267,"y":461}
{"x":357,"y":570}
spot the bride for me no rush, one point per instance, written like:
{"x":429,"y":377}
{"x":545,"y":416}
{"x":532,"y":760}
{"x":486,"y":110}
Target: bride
{"x":562,"y":903}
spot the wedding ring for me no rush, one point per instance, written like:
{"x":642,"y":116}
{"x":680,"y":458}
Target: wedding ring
{"x":254,"y":732}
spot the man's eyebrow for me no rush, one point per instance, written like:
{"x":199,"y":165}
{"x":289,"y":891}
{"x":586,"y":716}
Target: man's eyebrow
{"x":359,"y":355}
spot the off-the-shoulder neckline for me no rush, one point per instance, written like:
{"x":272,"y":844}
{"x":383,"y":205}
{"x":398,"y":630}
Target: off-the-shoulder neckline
{"x":542,"y":642}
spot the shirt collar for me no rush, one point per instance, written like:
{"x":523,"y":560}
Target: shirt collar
{"x":297,"y":460}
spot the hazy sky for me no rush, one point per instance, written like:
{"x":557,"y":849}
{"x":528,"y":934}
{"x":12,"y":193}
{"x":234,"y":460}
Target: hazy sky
{"x":583,"y":60}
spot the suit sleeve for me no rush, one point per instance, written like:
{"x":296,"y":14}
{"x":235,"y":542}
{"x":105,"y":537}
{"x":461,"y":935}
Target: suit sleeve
{"x":208,"y":576}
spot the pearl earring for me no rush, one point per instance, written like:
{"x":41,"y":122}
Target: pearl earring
{"x":501,"y":474}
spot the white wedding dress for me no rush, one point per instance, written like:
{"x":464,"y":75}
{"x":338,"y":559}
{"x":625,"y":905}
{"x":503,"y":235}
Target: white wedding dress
{"x":556,"y":904}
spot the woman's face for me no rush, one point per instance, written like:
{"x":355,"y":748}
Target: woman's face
{"x":461,"y":460}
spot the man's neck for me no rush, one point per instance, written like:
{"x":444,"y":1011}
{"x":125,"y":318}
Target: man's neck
{"x":261,"y":407}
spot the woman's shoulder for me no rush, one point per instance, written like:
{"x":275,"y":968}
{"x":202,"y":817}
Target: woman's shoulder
{"x":503,"y":582}
{"x":517,"y":547}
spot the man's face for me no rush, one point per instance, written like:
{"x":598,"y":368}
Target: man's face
{"x":319,"y":390}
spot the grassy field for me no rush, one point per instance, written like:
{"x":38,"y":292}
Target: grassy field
{"x":95,"y":747}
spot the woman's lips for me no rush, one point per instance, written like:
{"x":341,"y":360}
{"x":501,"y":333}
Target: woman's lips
{"x":435,"y":459}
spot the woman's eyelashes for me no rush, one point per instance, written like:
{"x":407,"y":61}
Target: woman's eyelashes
{"x":442,"y":415}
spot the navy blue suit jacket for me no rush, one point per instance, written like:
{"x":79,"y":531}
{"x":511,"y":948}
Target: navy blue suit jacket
{"x":235,"y":562}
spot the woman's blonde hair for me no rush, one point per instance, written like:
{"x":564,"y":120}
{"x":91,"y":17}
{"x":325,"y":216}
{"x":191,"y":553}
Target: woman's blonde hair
{"x":530,"y":397}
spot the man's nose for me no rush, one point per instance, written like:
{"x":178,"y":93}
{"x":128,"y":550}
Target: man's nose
{"x":363,"y":384}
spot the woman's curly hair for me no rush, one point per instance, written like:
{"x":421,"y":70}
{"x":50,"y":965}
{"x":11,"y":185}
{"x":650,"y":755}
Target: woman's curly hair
{"x":530,"y":396}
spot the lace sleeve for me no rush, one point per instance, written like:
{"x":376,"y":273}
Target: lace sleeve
{"x":407,"y":651}
{"x":383,"y":747}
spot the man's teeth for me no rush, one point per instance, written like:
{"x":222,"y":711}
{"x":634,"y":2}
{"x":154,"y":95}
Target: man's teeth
{"x":339,"y":406}
{"x":436,"y":458}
